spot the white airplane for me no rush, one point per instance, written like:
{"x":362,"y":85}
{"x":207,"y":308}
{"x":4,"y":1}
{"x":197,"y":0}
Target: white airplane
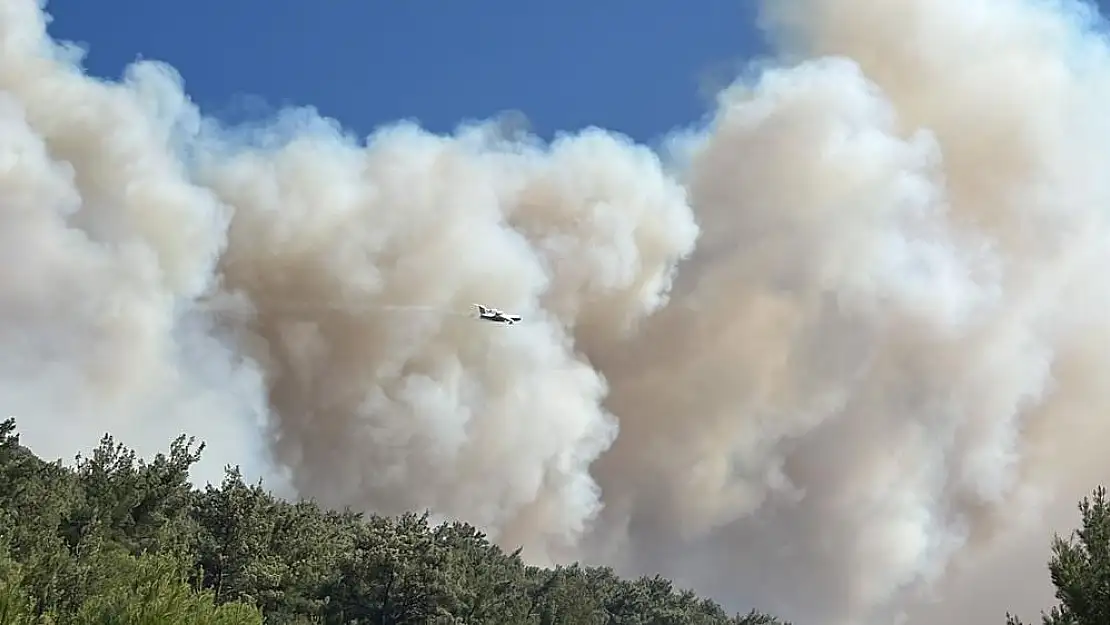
{"x":495,"y":316}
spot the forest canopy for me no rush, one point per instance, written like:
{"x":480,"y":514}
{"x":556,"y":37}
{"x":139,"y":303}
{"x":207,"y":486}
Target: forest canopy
{"x":123,"y":540}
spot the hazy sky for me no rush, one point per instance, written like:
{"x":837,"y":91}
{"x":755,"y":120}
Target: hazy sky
{"x":880,"y":372}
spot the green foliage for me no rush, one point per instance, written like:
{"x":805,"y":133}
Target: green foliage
{"x":126,"y":590}
{"x":16,"y":606}
{"x":120,"y":541}
{"x":153,"y":590}
{"x":1080,"y":568}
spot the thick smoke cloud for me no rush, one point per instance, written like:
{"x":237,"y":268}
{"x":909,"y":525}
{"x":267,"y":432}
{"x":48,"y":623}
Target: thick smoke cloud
{"x":839,"y":347}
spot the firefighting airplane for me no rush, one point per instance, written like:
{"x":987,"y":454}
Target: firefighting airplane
{"x":494,"y":315}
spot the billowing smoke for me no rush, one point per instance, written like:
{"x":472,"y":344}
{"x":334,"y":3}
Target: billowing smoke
{"x":841,"y":346}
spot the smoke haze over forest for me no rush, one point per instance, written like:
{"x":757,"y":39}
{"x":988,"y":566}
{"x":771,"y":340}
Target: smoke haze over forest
{"x":842,"y":345}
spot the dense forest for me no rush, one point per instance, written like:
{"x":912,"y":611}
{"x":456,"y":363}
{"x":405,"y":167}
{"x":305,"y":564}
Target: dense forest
{"x":120,"y":540}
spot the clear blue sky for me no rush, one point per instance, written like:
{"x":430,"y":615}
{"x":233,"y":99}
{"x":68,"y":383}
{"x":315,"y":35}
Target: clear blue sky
{"x":636,"y":66}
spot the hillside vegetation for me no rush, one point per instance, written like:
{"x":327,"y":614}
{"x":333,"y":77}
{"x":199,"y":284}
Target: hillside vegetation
{"x":117,"y":540}
{"x":121,"y":541}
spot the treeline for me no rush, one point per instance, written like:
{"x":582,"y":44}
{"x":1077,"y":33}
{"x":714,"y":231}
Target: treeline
{"x":122,"y":541}
{"x":117,"y":540}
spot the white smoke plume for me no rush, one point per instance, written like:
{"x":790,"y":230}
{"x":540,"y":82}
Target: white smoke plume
{"x":838,"y":348}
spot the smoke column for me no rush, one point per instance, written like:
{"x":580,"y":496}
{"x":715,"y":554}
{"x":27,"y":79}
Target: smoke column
{"x":838,"y":348}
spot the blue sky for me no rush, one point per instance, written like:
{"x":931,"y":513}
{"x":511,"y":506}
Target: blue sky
{"x":636,"y":66}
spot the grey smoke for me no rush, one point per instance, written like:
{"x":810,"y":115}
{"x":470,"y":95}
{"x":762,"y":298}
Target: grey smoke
{"x":837,"y":349}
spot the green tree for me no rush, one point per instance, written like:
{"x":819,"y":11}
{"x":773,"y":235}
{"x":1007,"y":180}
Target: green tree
{"x":487,"y":585}
{"x":36,"y":499}
{"x":565,"y":596}
{"x":16,"y":604}
{"x":237,"y":526}
{"x":279,"y":556}
{"x":152,"y":589}
{"x":1080,"y":568}
{"x":123,"y":541}
{"x":396,"y":574}
{"x":143,"y":506}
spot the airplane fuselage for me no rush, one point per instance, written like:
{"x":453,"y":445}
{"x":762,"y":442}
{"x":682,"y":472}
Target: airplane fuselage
{"x":501,"y":319}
